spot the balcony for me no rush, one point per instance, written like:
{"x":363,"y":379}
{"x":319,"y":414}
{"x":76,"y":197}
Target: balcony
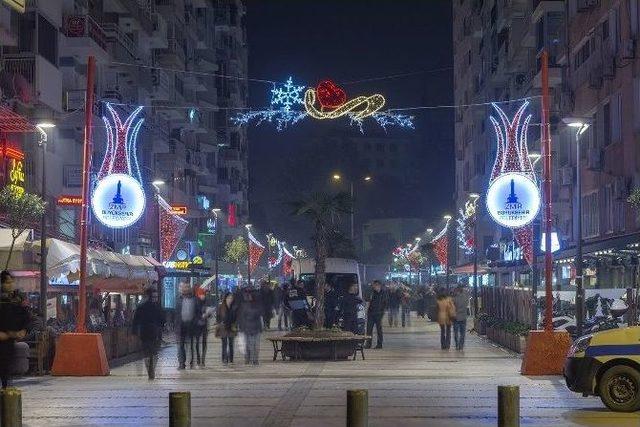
{"x":35,"y":80}
{"x":120,"y":41}
{"x":138,"y":13}
{"x":173,"y":55}
{"x":84,"y":37}
{"x":541,"y":7}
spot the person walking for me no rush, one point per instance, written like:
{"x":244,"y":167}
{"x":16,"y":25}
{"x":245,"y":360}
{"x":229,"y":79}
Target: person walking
{"x":201,"y":325}
{"x":296,"y":301}
{"x":446,"y":316}
{"x":227,"y":326}
{"x":394,"y":305}
{"x":250,"y":323}
{"x":405,"y":304}
{"x":267,"y":297}
{"x":461,"y":302}
{"x":186,"y":314}
{"x":375,"y":313}
{"x":349,"y":310}
{"x":283,"y":311}
{"x":331,"y":306}
{"x":148,"y":322}
{"x":14,"y":319}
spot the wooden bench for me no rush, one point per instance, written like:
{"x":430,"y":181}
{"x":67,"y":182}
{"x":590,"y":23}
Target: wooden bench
{"x":278,"y":344}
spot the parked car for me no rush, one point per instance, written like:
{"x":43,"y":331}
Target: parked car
{"x":607,"y":364}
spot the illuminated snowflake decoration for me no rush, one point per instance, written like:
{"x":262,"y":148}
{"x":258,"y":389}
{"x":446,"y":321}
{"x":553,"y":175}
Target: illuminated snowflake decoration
{"x":287,"y":109}
{"x":287,"y":95}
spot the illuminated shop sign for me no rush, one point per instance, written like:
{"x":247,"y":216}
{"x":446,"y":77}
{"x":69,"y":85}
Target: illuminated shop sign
{"x":196,"y":261}
{"x":179,"y":210}
{"x":67,"y":200}
{"x":15,"y":174}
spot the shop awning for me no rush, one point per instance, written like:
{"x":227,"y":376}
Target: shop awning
{"x":106,"y":270}
{"x":17,"y":258}
{"x":614,"y":243}
{"x":468,"y":269}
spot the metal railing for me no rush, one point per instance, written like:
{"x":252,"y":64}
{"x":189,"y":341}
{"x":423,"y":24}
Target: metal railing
{"x":113,"y":33}
{"x":23,"y":65}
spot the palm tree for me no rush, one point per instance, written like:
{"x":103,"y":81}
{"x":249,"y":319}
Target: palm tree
{"x":324,"y":211}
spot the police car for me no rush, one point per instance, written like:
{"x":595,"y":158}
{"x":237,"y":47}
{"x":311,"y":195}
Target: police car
{"x":607,"y":364}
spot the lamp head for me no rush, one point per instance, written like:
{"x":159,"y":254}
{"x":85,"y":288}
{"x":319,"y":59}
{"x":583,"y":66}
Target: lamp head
{"x":248,"y":226}
{"x":474,"y":196}
{"x":45,"y":125}
{"x":367,"y":178}
{"x":336,"y":177}
{"x":447,"y":217}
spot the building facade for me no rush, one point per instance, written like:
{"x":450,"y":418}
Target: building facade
{"x":184,"y":61}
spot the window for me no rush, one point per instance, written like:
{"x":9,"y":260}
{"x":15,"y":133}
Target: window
{"x":616,"y":116}
{"x":47,"y":40}
{"x":393,"y":148}
{"x":380,"y":148}
{"x":606,"y":124}
{"x":590,"y":215}
{"x":604,"y":29}
{"x":479,"y":164}
{"x":380,"y":163}
{"x":367,"y":146}
{"x":608,"y":208}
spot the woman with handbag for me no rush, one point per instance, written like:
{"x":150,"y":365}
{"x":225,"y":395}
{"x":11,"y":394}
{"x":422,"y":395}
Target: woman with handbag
{"x":446,"y":316}
{"x":226,"y":326}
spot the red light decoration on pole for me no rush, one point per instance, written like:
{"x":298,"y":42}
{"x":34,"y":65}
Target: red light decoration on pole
{"x":256,"y":249}
{"x":172,"y":228}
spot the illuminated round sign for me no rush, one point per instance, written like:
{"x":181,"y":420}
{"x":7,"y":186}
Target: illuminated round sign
{"x":118,"y":200}
{"x":513,"y":200}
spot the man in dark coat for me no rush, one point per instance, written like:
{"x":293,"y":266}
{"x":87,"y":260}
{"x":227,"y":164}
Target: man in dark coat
{"x":14,"y":319}
{"x":331,"y":306}
{"x":268,"y":299}
{"x":296,"y":301}
{"x":250,"y":322}
{"x":349,"y":310}
{"x":375,"y":312}
{"x":148,"y":322}
{"x":188,"y":311}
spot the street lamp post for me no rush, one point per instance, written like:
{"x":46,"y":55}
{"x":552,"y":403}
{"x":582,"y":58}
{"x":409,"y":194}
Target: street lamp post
{"x":216,"y":249}
{"x":43,"y":220}
{"x":581,"y":126}
{"x":430,"y":233}
{"x":248,"y":227}
{"x":337,"y":177}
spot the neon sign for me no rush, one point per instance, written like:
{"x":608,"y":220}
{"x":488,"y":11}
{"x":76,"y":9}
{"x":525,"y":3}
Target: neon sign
{"x":179,"y":210}
{"x":67,"y":200}
{"x":16,"y":177}
{"x":118,"y":199}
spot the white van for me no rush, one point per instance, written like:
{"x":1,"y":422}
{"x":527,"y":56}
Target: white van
{"x":341,"y":272}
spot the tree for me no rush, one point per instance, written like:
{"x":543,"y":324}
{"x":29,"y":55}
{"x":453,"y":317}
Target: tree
{"x":236,"y":252}
{"x":19,"y":212}
{"x":323,"y":210}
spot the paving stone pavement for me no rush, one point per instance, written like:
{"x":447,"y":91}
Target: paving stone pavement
{"x":411,"y":382}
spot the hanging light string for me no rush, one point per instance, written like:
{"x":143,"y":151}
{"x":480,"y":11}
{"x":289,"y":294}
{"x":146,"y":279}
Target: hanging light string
{"x":416,"y":108}
{"x":267,"y":81}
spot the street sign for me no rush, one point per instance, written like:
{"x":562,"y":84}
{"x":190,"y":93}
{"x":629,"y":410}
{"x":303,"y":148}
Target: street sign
{"x":513,"y":200}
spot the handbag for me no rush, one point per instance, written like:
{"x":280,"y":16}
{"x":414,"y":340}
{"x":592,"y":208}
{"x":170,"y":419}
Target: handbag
{"x":451,"y":311}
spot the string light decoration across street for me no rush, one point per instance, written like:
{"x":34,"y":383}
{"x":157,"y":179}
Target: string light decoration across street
{"x":288,"y":107}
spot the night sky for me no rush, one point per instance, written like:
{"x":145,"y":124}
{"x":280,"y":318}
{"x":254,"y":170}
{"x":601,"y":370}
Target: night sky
{"x":347,"y":41}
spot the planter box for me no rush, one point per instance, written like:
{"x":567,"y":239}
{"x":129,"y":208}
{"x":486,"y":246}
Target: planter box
{"x":318,"y":350}
{"x":505,"y":339}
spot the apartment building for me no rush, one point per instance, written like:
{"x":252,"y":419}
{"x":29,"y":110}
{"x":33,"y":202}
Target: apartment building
{"x":185,"y":61}
{"x":497,"y":46}
{"x":593,"y":48}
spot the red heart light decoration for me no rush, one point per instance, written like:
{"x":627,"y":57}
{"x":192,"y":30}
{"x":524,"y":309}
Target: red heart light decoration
{"x":330,"y":95}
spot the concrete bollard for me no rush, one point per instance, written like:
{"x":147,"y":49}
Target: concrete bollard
{"x":11,"y":407}
{"x":180,"y":409}
{"x":357,"y":408}
{"x":508,"y":406}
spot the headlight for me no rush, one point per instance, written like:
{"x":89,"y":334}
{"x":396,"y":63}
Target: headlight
{"x":580,"y":345}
